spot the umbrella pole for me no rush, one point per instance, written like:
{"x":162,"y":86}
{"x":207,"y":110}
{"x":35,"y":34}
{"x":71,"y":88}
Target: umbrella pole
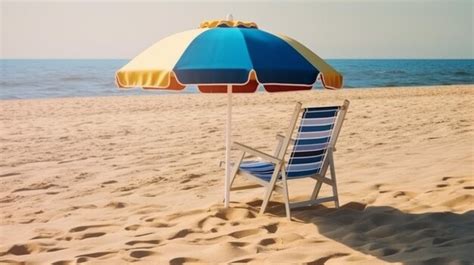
{"x":227,"y":146}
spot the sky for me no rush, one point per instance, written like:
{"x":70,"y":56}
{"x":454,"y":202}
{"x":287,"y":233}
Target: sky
{"x":332,"y":29}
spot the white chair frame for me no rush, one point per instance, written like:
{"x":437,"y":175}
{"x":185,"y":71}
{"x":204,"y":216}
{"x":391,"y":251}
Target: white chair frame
{"x":278,"y":158}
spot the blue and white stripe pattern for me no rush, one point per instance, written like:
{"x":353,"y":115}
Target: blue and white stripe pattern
{"x":310,"y":148}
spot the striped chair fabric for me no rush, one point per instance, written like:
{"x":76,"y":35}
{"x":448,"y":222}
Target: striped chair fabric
{"x":310,"y":147}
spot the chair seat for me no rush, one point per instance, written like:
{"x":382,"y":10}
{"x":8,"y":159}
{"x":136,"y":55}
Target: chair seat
{"x":261,"y":169}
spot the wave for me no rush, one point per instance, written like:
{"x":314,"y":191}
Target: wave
{"x":463,"y":73}
{"x":78,"y":78}
{"x":16,"y":84}
{"x":396,"y":72}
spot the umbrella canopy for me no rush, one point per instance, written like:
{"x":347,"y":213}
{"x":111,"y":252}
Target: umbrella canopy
{"x":228,"y":56}
{"x":228,"y":52}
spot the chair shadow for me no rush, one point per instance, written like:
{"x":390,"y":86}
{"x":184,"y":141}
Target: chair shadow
{"x":392,"y":235}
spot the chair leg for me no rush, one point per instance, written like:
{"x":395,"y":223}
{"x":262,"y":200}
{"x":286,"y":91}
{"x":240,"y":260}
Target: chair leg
{"x":271,"y":185}
{"x":316,"y":190}
{"x":236,"y":168}
{"x":285,"y":193}
{"x":333,"y":177}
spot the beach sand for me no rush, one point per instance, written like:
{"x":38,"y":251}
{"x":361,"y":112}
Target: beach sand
{"x":115,"y":180}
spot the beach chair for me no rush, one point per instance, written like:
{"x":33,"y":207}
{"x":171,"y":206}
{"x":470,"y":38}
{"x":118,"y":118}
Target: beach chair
{"x":310,"y":157}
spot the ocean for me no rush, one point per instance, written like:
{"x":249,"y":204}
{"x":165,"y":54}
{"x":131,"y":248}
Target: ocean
{"x":23,"y":79}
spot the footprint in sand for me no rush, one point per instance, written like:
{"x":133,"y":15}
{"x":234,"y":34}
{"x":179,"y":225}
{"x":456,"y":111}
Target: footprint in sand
{"x":210,"y":223}
{"x":246,"y":233}
{"x":132,"y":227}
{"x":144,"y":234}
{"x":23,"y":249}
{"x":63,"y":262}
{"x":77,"y":235}
{"x":55,"y":249}
{"x":460,"y":179}
{"x":323,"y":260}
{"x":386,"y":252}
{"x":189,"y":187}
{"x":272,"y":228}
{"x":239,"y":244}
{"x":258,"y":203}
{"x":45,"y":234}
{"x":10,"y":198}
{"x":154,"y":219}
{"x":85,"y":227}
{"x":135,"y":242}
{"x":465,"y":199}
{"x":38,"y":186}
{"x":180,"y":215}
{"x":90,"y":235}
{"x":246,"y":260}
{"x":9,"y":175}
{"x":284,"y":239}
{"x":109,"y":182}
{"x":95,"y":254}
{"x":268,"y":241}
{"x":149,"y":195}
{"x":181,"y":234}
{"x":234,"y":214}
{"x":183,"y":260}
{"x":188,"y":177}
{"x":398,"y":194}
{"x":116,"y":205}
{"x":141,"y":253}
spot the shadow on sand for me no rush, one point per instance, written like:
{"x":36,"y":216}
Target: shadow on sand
{"x":395,"y":236}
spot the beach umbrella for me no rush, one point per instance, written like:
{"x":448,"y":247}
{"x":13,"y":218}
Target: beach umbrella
{"x":228,"y":56}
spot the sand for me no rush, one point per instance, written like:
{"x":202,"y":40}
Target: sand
{"x":116,"y":180}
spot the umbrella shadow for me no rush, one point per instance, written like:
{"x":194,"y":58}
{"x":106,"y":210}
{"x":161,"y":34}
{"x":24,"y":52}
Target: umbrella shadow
{"x":392,"y":235}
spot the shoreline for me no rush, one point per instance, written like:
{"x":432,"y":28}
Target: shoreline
{"x":144,"y":92}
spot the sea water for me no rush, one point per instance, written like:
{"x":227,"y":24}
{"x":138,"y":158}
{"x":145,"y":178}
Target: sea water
{"x":21,"y":79}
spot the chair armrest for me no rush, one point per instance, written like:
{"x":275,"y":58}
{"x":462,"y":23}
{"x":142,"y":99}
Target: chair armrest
{"x":280,"y":137}
{"x":255,"y":152}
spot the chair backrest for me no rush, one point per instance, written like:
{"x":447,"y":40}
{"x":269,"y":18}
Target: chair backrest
{"x":318,"y":131}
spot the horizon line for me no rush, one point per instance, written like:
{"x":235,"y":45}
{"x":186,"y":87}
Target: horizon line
{"x":334,"y":58}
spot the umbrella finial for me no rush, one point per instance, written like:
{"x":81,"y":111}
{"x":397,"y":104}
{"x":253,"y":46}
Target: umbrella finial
{"x":229,"y":17}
